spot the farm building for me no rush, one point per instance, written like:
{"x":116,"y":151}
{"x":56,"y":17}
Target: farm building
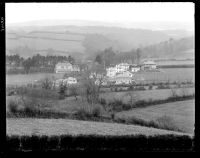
{"x":124,"y":74}
{"x":111,"y":71}
{"x":121,"y":80}
{"x":122,"y":67}
{"x":134,"y":68}
{"x":66,"y":67}
{"x":148,"y":65}
{"x":69,"y":81}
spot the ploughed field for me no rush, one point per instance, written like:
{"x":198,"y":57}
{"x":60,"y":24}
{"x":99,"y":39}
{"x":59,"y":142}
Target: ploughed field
{"x":28,"y":126}
{"x":182,"y":112}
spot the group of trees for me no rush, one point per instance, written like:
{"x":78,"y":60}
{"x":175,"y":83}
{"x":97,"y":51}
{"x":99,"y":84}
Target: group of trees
{"x":38,"y":61}
{"x":169,"y":47}
{"x":108,"y":57}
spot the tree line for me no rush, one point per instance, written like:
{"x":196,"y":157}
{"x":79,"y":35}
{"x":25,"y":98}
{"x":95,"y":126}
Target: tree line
{"x":37,"y":61}
{"x":109,"y":57}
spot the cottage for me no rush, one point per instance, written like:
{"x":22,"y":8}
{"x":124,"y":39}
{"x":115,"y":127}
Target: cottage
{"x":71,"y":80}
{"x":134,"y":68}
{"x":66,"y":81}
{"x":124,"y":74}
{"x":66,"y":67}
{"x":123,"y":80}
{"x":122,"y":67}
{"x":111,"y":71}
{"x":148,"y":65}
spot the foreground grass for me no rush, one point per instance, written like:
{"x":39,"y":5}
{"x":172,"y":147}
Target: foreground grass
{"x":30,"y":126}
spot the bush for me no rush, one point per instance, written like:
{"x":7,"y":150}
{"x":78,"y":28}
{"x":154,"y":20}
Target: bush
{"x":166,"y":122}
{"x":150,"y":87}
{"x":37,"y":93}
{"x":62,"y":90}
{"x":89,"y":112}
{"x":13,"y":106}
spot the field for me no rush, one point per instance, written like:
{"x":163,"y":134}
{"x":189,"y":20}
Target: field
{"x":74,"y":127}
{"x":171,"y":74}
{"x":182,"y":112}
{"x":21,"y":79}
{"x":179,"y":62}
{"x":146,"y":95}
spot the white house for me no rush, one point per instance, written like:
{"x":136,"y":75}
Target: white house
{"x":66,"y":81}
{"x":71,"y":80}
{"x":122,"y":67}
{"x":124,"y":74}
{"x":134,"y":68}
{"x":66,"y":67}
{"x":123,"y":80}
{"x":111,"y":71}
{"x":149,"y":65}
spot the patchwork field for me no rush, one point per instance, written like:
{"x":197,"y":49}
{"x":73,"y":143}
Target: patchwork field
{"x":182,"y":112}
{"x":74,"y":127}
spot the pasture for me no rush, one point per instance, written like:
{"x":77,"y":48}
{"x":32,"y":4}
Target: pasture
{"x":21,"y":79}
{"x":182,"y":112}
{"x":51,"y":127}
{"x":146,"y":95}
{"x":168,"y":74}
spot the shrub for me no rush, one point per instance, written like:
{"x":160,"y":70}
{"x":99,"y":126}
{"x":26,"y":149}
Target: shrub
{"x":62,"y":90}
{"x":96,"y":111}
{"x":37,"y":93}
{"x":150,"y":87}
{"x":166,"y":122}
{"x":13,"y":106}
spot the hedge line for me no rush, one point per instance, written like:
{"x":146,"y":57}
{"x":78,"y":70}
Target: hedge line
{"x":98,"y":142}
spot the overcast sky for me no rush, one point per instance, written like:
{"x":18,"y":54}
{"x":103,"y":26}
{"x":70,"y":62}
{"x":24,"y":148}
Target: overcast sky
{"x":107,"y":12}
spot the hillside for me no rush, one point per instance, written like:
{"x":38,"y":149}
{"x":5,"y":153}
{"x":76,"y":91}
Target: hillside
{"x":173,"y":49}
{"x":87,"y":40}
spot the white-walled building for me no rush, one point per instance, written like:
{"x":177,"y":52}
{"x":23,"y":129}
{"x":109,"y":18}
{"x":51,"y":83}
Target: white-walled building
{"x":149,"y":65}
{"x":124,"y":74}
{"x":134,"y":68}
{"x":111,"y":71}
{"x":66,"y":67}
{"x":122,"y":67}
{"x":66,"y":81}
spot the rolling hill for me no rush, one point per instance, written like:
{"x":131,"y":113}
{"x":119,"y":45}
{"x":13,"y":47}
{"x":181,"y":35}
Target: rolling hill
{"x":84,"y":40}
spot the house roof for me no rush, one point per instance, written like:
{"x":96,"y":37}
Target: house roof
{"x":149,"y":63}
{"x":63,"y":64}
{"x":120,"y":78}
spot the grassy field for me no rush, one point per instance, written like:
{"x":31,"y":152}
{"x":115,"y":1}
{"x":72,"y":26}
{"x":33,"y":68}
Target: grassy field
{"x":21,"y":79}
{"x":182,"y":112}
{"x":171,"y":74}
{"x":146,"y":95}
{"x":75,"y":127}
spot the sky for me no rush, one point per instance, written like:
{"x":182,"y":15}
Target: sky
{"x":107,"y":12}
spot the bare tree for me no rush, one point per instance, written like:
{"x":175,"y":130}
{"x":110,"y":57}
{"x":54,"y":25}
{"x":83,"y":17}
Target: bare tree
{"x":92,"y":83}
{"x":173,"y":92}
{"x":74,"y":91}
{"x":133,"y":96}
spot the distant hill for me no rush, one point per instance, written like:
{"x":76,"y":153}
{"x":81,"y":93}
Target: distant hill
{"x":84,"y":40}
{"x":172,"y":49}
